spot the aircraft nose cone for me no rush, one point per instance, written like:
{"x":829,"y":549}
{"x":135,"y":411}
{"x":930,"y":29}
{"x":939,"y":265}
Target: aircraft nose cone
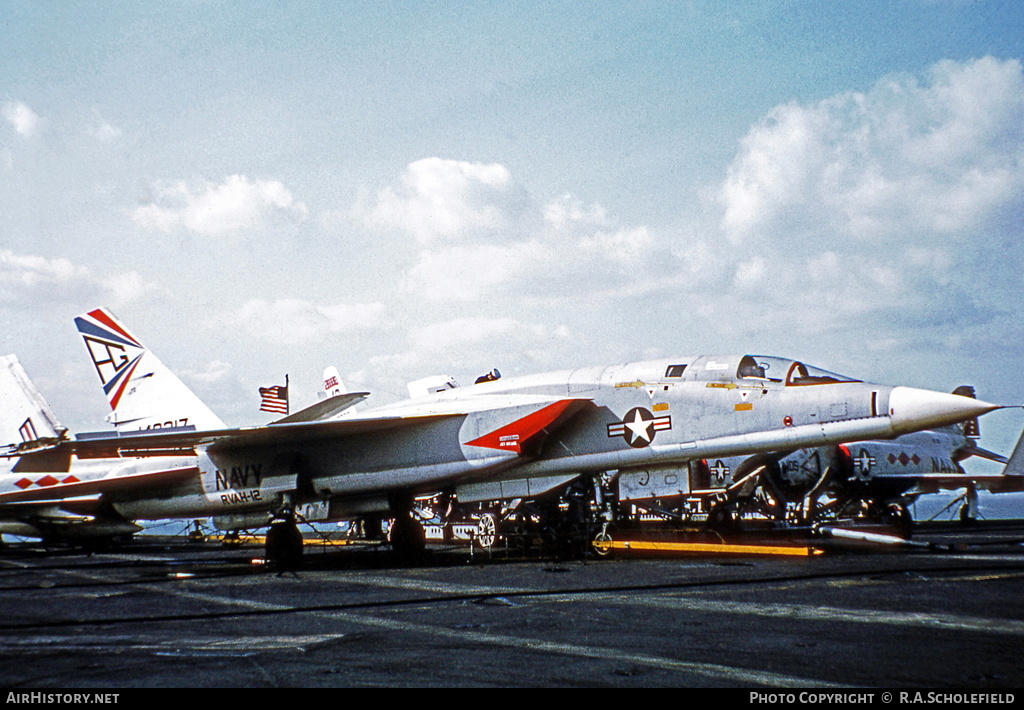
{"x":912,"y":409}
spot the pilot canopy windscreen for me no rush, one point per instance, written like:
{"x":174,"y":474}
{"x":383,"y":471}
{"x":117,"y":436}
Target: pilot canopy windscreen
{"x":791,"y":372}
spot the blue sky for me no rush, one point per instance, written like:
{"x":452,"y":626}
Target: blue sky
{"x":407,"y":189}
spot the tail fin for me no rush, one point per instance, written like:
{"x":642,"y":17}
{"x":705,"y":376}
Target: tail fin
{"x":1015,"y":464}
{"x":26,"y":420}
{"x":143,"y":393}
{"x":970,"y":428}
{"x":332,"y":384}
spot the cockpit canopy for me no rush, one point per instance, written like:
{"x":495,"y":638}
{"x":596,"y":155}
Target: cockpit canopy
{"x":790,"y":372}
{"x":766,"y":368}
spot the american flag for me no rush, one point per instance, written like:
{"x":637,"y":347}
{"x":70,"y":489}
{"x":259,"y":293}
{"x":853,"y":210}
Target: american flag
{"x":275,"y":399}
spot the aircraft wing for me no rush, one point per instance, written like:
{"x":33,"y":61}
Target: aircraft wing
{"x":177,"y":440}
{"x":972,"y":450}
{"x":934,"y":482}
{"x":1006,"y":483}
{"x":49,"y":488}
{"x":174,"y":441}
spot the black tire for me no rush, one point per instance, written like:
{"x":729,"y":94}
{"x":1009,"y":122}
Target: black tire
{"x":900,"y":518}
{"x":407,"y":537}
{"x":284,"y":545}
{"x":721,"y":519}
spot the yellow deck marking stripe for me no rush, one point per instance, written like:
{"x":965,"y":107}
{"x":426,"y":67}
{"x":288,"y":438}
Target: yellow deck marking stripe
{"x":719,"y":548}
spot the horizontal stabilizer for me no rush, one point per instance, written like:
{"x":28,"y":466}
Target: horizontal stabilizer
{"x":325,"y":409}
{"x":981,"y":453}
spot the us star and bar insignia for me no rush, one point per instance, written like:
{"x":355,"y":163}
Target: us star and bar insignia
{"x":639,"y":426}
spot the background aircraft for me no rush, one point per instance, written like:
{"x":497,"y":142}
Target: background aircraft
{"x":501,"y":439}
{"x":872,"y":480}
{"x":45,"y":491}
{"x":62,"y":489}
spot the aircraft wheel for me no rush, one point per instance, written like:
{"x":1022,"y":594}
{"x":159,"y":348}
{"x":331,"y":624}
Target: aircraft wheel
{"x":602,"y":537}
{"x":965,"y":515}
{"x":284,"y":544}
{"x":370,"y":528}
{"x":407,"y":537}
{"x":487,"y":530}
{"x":721,"y":520}
{"x":900,"y":518}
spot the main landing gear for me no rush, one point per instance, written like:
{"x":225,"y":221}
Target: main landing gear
{"x":407,"y":537}
{"x":283,"y":547}
{"x":899,"y":517}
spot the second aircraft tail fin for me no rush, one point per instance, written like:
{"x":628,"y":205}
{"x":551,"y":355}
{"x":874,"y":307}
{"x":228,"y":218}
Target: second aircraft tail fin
{"x":143,"y":393}
{"x":1015,"y":464}
{"x":26,"y":420}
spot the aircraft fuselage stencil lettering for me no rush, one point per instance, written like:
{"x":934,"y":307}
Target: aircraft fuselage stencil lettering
{"x":237,"y":477}
{"x":169,"y":424}
{"x":943,"y":465}
{"x":241,"y":497}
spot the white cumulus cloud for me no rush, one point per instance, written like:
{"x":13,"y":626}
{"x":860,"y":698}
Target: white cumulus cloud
{"x":559,"y":260}
{"x":888,"y":211}
{"x":479,"y":342}
{"x":936,"y":158}
{"x":29,"y":281}
{"x":104,"y":131}
{"x":295,"y":321}
{"x":450,"y":200}
{"x":480,"y":235}
{"x":23,"y":119}
{"x":235,"y":204}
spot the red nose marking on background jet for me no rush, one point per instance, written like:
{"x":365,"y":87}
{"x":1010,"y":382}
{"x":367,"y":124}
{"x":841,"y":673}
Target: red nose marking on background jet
{"x":512,"y":436}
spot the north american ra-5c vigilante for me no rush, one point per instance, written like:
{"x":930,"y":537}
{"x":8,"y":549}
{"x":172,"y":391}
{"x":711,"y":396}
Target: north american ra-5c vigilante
{"x":500,"y":439}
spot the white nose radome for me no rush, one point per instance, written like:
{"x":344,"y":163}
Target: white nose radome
{"x":912,"y":409}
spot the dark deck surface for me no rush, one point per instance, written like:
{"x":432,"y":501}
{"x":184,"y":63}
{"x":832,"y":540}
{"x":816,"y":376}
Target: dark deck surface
{"x":163,"y":612}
